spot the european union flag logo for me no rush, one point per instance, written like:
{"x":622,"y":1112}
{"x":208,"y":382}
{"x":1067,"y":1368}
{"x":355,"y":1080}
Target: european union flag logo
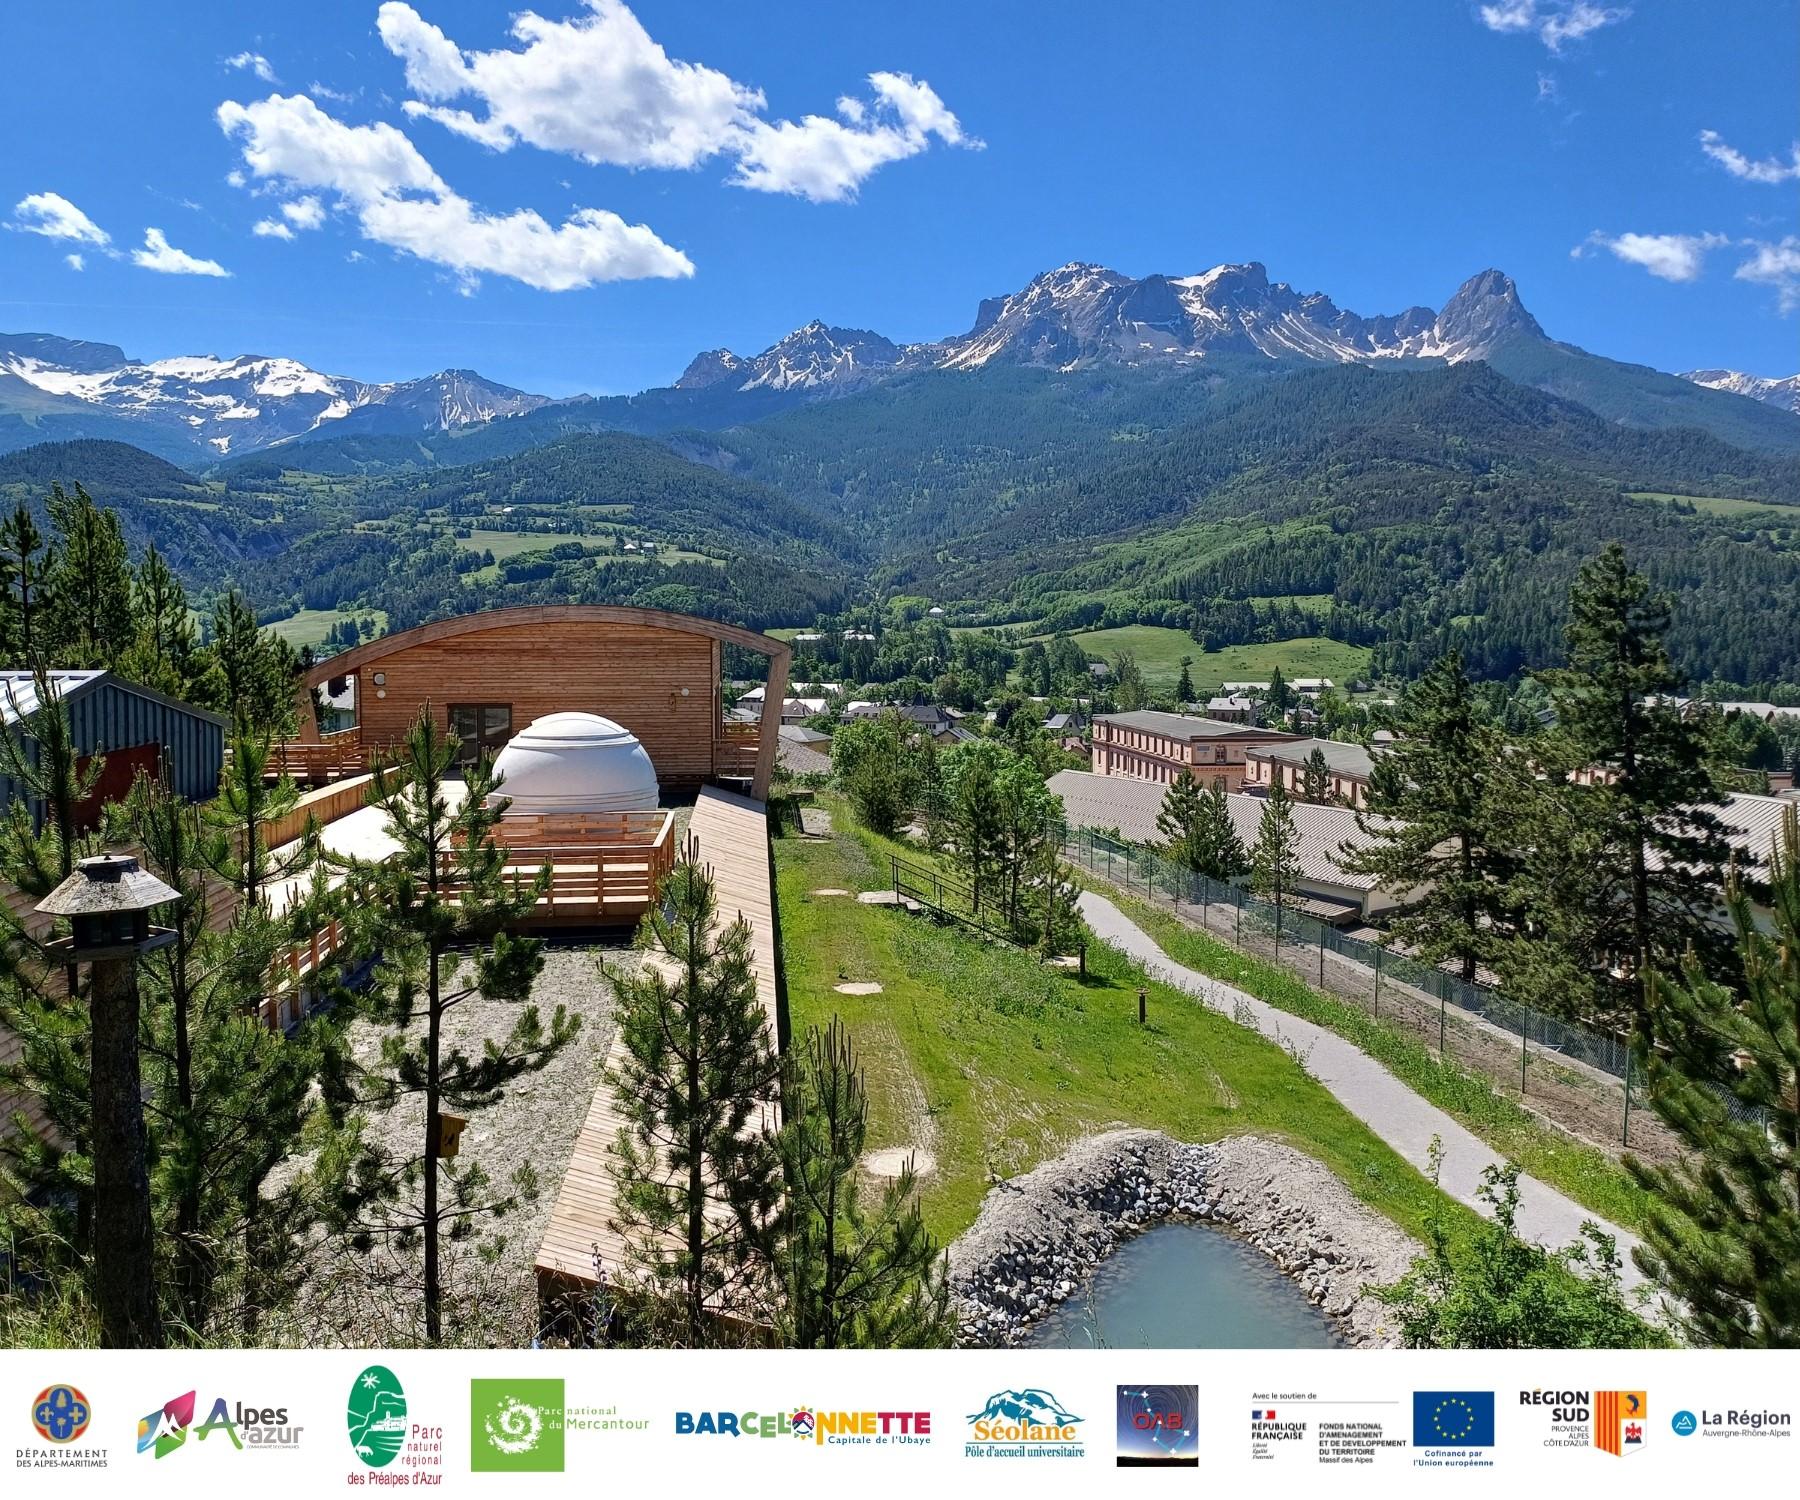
{"x":1453,"y":1419}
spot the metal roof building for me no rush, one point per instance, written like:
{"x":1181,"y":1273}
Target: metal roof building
{"x":133,"y":727}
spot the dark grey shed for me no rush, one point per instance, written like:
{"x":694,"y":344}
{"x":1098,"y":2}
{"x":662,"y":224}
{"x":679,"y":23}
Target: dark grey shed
{"x":132,"y":726}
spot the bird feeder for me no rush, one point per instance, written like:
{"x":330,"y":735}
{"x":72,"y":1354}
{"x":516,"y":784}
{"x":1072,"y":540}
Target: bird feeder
{"x":108,"y":901}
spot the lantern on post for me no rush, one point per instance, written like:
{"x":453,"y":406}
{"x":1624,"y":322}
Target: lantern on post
{"x":108,"y":901}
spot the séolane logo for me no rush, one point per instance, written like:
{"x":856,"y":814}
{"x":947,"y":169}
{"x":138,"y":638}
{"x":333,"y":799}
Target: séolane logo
{"x":376,"y":1416}
{"x":1030,"y":1423}
{"x":1620,"y":1421}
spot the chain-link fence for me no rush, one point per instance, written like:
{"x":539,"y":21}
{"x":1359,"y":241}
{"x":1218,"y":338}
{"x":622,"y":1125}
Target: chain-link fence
{"x":1582,"y":1078}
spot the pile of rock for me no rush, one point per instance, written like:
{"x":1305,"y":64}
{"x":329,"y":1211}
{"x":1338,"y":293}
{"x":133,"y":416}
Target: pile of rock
{"x":1040,"y":1236}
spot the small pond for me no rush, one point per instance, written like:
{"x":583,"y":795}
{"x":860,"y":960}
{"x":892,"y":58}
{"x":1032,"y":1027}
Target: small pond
{"x":1185,"y":1286}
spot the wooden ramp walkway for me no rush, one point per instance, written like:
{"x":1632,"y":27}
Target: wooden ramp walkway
{"x":732,"y":833}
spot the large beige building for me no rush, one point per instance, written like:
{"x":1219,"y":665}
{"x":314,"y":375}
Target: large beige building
{"x":1151,"y":746}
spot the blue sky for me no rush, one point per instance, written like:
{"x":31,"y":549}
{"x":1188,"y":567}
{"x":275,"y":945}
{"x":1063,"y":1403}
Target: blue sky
{"x":585,"y":202}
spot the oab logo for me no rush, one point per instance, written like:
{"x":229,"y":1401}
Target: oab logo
{"x":376,"y":1416}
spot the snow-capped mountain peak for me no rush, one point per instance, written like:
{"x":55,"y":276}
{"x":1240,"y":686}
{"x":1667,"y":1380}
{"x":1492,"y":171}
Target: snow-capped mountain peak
{"x":1781,"y":391}
{"x":1083,"y":314}
{"x":247,"y":402}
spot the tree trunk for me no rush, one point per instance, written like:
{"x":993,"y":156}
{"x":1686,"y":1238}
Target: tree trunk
{"x":434,"y":1028}
{"x":124,"y":1251}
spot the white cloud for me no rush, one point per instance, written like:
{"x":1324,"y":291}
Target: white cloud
{"x":1770,"y":169}
{"x":159,"y":255}
{"x":601,"y":89}
{"x":325,"y":91}
{"x":253,"y":62}
{"x":1670,"y":257}
{"x":597,"y":87}
{"x":399,"y":201}
{"x":304,"y":213}
{"x":74,"y":262}
{"x":272,"y":229}
{"x":1775,"y":264}
{"x":827,"y":160}
{"x":1554,"y":22}
{"x":54,"y":217}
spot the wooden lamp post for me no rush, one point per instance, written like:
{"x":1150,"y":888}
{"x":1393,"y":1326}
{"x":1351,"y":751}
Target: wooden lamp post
{"x":108,"y":901}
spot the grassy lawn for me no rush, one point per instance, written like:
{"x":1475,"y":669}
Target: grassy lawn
{"x":992,"y":1062}
{"x":1159,"y":650}
{"x":1585,"y":1173}
{"x":505,"y":544}
{"x":1717,"y":505}
{"x":310,"y":626}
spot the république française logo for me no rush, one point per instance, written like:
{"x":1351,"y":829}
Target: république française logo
{"x":1030,"y":1423}
{"x":822,"y":1428}
{"x":165,"y":1430}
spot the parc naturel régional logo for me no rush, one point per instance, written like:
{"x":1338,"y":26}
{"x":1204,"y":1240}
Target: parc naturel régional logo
{"x":1030,"y":1423}
{"x":814,"y":1425}
{"x":376,"y":1416}
{"x":516,"y":1426}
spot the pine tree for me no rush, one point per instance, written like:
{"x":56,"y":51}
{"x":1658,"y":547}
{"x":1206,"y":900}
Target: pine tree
{"x":28,"y":567}
{"x":1275,"y":859}
{"x":443,"y":891}
{"x":1184,"y":685}
{"x":697,"y":1172}
{"x":249,"y":673}
{"x":1178,"y":821}
{"x":47,"y":1202}
{"x":1315,"y":778}
{"x":1438,"y":802}
{"x":1723,"y":1234}
{"x":1279,"y":697}
{"x":89,"y":620}
{"x":977,"y":822}
{"x":1654,"y":785}
{"x":853,"y":1278}
{"x":227,"y":1094}
{"x":161,"y":653}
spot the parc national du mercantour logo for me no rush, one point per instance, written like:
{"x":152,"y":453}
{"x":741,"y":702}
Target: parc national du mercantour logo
{"x":516,"y":1426}
{"x":1030,"y":1423}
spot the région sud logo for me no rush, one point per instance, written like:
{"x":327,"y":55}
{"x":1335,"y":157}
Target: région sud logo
{"x":1620,"y":1423}
{"x":1030,"y":1423}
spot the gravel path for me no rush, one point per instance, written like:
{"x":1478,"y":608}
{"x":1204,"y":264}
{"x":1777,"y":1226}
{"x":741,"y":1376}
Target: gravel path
{"x":1371,"y":1093}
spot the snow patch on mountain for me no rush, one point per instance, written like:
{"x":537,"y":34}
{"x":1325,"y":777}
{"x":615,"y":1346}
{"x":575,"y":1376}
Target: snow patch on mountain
{"x":1780,"y":391}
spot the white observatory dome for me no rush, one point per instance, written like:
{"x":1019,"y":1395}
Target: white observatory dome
{"x":575,"y":763}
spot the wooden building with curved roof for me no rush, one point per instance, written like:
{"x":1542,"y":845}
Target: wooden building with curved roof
{"x":486,"y":676}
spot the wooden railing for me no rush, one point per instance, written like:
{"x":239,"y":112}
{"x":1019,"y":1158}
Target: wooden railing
{"x":289,"y":996}
{"x":604,"y":867}
{"x":734,"y":749}
{"x":321,"y":804}
{"x":332,"y":757}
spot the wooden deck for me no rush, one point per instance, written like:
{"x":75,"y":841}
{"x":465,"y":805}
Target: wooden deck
{"x":733,"y":838}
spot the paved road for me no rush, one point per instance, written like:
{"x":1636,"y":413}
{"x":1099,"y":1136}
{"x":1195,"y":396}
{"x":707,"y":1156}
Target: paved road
{"x":1371,"y":1093}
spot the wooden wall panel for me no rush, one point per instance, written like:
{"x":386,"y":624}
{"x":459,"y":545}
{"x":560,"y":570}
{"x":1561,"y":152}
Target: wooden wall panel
{"x":630,"y":673}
